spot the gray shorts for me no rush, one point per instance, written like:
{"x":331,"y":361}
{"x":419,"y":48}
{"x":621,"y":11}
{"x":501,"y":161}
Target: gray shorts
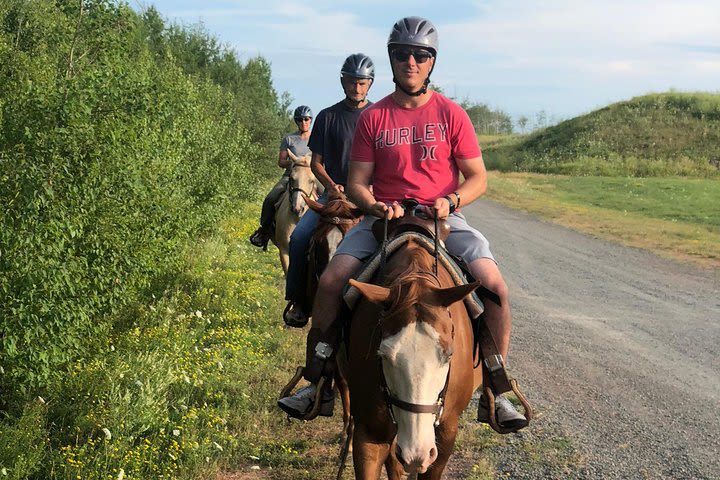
{"x":464,"y":241}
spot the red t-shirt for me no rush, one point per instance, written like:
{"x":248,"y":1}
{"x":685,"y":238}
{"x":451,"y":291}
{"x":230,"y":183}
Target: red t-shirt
{"x":414,"y":149}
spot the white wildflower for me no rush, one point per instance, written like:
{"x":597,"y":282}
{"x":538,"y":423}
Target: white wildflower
{"x":218,"y":446}
{"x":176,"y":432}
{"x":121,"y":474}
{"x":41,"y":400}
{"x":198,"y":313}
{"x":107,"y":433}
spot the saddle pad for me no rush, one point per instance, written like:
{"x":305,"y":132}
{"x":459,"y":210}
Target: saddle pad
{"x":369,"y":269}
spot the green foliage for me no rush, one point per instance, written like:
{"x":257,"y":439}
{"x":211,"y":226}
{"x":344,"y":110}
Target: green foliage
{"x":113,"y":153}
{"x":654,"y":135}
{"x":486,"y":120}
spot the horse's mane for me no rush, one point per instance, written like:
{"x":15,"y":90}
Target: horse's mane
{"x":337,"y":206}
{"x":405,"y":275}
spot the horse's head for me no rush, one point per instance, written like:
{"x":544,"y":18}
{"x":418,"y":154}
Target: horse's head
{"x":302,"y":180}
{"x":337,"y":216}
{"x":415,"y":350}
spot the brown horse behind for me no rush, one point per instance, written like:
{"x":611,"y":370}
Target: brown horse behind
{"x":410,"y":367}
{"x":337,"y":217}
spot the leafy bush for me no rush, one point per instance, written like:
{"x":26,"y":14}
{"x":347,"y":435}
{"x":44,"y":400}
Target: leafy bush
{"x":113,"y":153}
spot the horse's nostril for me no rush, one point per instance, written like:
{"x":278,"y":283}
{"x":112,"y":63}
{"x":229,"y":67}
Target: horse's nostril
{"x":433,"y":454}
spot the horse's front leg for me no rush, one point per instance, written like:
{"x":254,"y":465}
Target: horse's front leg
{"x":445,"y":440}
{"x":368,"y":455}
{"x":284,"y":261}
{"x":344,"y":390}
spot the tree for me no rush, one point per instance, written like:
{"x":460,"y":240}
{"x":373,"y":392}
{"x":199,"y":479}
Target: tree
{"x":522,"y":122}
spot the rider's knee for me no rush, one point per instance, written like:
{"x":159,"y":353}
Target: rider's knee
{"x":335,"y":277}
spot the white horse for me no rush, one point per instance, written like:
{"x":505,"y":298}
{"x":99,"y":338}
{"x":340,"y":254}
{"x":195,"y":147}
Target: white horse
{"x":291,"y":205}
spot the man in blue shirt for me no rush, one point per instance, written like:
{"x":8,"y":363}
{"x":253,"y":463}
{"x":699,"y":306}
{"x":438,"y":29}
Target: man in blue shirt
{"x":330,"y":143}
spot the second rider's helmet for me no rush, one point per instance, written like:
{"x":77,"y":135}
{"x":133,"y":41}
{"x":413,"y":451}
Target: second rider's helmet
{"x":358,"y":65}
{"x":302,"y":111}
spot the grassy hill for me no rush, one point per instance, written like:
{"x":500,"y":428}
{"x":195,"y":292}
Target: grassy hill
{"x":653,"y":135}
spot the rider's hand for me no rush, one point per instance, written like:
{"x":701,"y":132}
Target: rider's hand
{"x":441,"y":206}
{"x":380,"y":209}
{"x":338,"y":188}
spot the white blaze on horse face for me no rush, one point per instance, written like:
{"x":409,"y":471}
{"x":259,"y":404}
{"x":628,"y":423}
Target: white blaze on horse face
{"x":334,"y":237}
{"x":415,"y":369}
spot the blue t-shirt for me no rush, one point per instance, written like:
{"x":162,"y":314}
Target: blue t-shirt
{"x":332,"y":137}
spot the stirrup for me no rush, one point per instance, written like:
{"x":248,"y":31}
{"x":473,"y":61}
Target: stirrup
{"x":315,"y":410}
{"x":528,"y":411}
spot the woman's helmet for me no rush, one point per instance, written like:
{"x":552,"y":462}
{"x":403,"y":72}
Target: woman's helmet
{"x":415,"y":32}
{"x":302,"y":111}
{"x":358,"y":65}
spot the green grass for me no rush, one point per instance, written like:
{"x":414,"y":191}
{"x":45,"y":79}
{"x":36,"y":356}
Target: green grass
{"x":673,"y":199}
{"x":673,"y":217}
{"x":666,"y":134}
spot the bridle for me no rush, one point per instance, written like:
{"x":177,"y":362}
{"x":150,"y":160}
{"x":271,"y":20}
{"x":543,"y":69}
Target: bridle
{"x":391,"y":400}
{"x":292,"y":189}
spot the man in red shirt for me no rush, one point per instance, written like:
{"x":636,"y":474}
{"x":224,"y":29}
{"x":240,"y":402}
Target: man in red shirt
{"x":414,"y":143}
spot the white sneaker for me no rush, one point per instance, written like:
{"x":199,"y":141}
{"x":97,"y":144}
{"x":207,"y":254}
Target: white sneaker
{"x":299,"y":404}
{"x":505,"y":413}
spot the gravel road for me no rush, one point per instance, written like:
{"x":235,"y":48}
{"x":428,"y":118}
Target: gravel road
{"x":617,"y":348}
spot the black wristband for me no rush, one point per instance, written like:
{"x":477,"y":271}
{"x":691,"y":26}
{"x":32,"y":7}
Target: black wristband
{"x":458,"y":200}
{"x":452,"y":204}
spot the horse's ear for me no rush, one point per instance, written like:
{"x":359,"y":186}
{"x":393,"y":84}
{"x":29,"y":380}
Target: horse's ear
{"x":317,"y":206}
{"x":292,"y":156}
{"x":448,"y":296}
{"x":374,"y":293}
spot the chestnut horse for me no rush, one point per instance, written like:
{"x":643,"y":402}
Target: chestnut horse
{"x":292,"y":205}
{"x":410,"y":367}
{"x":337,"y":217}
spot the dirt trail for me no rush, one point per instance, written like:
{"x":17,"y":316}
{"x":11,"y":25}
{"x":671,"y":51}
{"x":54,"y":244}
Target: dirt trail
{"x":617,"y":347}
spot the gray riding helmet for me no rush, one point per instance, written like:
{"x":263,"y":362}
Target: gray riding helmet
{"x":302,"y":111}
{"x":358,"y":65}
{"x":415,"y":32}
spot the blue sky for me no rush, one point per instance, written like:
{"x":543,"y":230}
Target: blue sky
{"x":564,"y":57}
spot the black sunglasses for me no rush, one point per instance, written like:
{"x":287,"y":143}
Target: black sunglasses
{"x":403,"y":54}
{"x":303,"y":119}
